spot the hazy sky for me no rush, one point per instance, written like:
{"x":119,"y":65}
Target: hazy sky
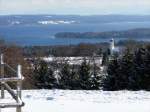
{"x":82,"y":7}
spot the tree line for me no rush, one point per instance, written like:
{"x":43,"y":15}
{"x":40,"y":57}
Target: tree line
{"x":84,"y":76}
{"x":131,"y":71}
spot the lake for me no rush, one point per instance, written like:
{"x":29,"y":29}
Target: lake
{"x":44,"y":34}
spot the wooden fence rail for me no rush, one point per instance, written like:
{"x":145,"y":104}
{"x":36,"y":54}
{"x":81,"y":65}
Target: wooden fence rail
{"x":18,"y":80}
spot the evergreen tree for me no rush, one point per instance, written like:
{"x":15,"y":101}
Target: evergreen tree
{"x":126,"y":69}
{"x":146,"y":77}
{"x":43,"y":75}
{"x":105,"y":57}
{"x":85,"y":76}
{"x":135,"y":82}
{"x":65,"y":77}
{"x":120,"y":72}
{"x":96,"y":78}
{"x":129,"y":72}
{"x":69,"y":78}
{"x":40,"y":71}
{"x":111,"y":81}
{"x":49,"y":79}
{"x":74,"y":78}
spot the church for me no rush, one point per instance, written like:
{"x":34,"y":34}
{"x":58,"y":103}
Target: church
{"x":113,"y":49}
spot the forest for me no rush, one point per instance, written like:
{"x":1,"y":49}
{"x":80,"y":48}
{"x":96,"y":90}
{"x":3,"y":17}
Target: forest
{"x":132,"y":34}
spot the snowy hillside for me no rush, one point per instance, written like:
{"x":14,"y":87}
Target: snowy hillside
{"x":84,"y":101}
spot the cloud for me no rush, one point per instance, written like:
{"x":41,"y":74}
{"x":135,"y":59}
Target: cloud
{"x":75,"y":6}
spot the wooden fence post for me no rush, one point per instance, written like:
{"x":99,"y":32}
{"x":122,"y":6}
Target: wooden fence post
{"x":19,"y":86}
{"x":2,"y":76}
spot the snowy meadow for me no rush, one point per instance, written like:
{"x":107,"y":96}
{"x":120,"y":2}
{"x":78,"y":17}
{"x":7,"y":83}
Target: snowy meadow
{"x":83,"y":101}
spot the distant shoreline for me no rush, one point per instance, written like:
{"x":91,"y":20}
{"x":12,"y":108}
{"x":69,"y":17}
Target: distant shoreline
{"x":132,"y":34}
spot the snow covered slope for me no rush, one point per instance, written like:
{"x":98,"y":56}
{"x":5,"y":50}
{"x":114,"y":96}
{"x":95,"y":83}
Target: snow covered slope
{"x":84,"y":101}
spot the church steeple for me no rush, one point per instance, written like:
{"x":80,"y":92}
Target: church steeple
{"x":112,"y":46}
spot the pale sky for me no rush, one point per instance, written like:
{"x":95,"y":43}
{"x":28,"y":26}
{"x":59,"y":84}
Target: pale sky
{"x":75,"y":7}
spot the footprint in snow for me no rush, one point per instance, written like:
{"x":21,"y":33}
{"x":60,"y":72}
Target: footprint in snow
{"x":28,"y":96}
{"x":49,"y":98}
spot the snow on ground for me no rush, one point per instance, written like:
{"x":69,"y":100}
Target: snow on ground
{"x":84,"y":101}
{"x":73,"y":60}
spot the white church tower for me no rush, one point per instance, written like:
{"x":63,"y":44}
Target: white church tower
{"x":112,"y":46}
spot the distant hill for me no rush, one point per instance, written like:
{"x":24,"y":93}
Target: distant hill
{"x":134,"y":33}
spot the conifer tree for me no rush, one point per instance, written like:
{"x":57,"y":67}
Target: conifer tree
{"x":96,"y":78}
{"x":119,"y":72}
{"x":74,"y":78}
{"x":85,"y":76}
{"x":111,"y":81}
{"x":43,"y":75}
{"x":126,"y":69}
{"x":49,"y":79}
{"x":135,"y":82}
{"x":131,"y":71}
{"x":40,"y":71}
{"x":146,"y":77}
{"x":65,"y":77}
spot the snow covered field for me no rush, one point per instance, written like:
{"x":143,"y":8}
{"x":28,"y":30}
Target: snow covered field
{"x":83,"y":101}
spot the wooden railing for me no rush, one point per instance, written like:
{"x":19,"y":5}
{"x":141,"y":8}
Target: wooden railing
{"x":4,"y":86}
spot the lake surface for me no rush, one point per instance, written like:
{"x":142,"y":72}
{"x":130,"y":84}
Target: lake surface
{"x":44,"y":34}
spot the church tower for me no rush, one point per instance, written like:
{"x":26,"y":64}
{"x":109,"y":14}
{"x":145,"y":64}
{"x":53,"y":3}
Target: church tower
{"x":112,"y":46}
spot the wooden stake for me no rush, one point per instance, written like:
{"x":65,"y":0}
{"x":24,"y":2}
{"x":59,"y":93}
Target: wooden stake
{"x":2,"y":76}
{"x":19,"y":87}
